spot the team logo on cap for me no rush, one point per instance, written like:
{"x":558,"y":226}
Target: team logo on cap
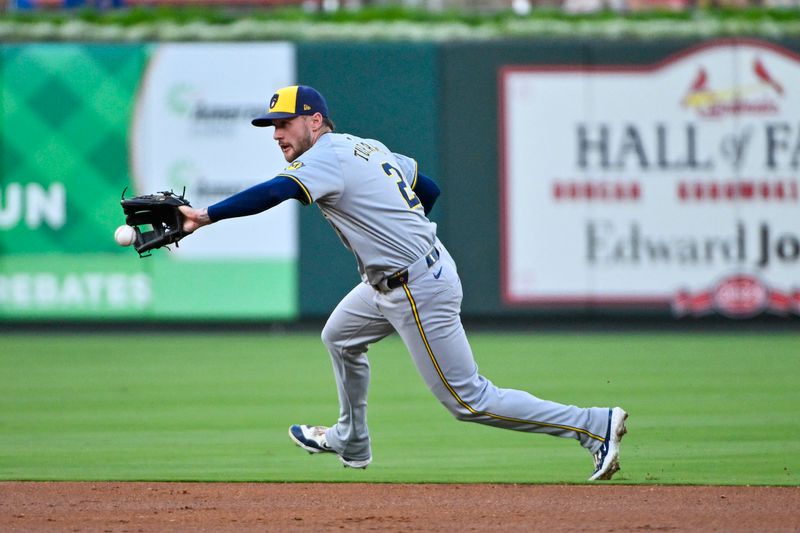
{"x":306,"y":107}
{"x":274,"y":101}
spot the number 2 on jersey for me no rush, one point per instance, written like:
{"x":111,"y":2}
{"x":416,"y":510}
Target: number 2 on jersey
{"x":407,"y":192}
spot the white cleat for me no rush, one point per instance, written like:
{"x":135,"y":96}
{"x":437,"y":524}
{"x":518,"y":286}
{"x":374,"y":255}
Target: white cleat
{"x":606,"y":461}
{"x":312,"y":439}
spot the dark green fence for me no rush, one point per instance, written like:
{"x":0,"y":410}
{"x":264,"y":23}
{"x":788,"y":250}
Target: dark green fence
{"x":440,"y":104}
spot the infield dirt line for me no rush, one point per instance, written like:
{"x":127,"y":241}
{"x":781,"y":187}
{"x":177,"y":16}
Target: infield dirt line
{"x":158,"y":506}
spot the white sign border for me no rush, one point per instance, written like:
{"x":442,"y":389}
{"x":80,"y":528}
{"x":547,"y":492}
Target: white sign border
{"x":633,"y":302}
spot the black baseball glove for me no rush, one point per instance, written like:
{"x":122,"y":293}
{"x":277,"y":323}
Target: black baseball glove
{"x":160,"y":217}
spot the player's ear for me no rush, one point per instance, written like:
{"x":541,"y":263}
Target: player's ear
{"x":317,"y":121}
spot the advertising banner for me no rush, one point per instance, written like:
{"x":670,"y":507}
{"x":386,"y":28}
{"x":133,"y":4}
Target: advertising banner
{"x":80,"y":123}
{"x":192,"y":129}
{"x":674,"y":185}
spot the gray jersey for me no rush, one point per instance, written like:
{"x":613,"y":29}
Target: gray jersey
{"x":365,"y":192}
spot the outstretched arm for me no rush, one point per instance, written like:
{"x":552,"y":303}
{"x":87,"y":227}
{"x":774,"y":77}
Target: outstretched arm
{"x":248,"y":202}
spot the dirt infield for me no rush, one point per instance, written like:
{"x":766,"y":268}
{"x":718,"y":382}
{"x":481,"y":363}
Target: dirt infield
{"x":67,"y":506}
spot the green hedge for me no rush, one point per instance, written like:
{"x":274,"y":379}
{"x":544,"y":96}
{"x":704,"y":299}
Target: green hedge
{"x":207,"y":24}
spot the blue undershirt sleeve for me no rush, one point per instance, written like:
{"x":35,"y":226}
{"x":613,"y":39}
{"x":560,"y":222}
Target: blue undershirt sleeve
{"x":256,"y":199}
{"x":427,"y":191}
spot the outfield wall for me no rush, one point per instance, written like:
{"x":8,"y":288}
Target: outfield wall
{"x":654,"y":178}
{"x":579,"y":178}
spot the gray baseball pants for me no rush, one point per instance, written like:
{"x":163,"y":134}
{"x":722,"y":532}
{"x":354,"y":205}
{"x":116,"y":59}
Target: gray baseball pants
{"x":425,"y":312}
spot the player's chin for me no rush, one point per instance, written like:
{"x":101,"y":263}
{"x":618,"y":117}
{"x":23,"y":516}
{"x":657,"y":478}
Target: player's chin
{"x":288,"y":154}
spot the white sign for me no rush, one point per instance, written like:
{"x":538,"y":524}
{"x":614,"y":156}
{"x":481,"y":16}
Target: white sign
{"x":670,"y":184}
{"x":192,"y":129}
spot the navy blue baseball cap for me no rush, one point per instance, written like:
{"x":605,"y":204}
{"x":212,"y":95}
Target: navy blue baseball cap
{"x":290,"y":102}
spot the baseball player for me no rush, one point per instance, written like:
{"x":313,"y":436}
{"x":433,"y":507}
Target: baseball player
{"x":377,"y":201}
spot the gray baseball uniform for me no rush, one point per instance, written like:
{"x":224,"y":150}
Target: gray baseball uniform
{"x":410,"y":286}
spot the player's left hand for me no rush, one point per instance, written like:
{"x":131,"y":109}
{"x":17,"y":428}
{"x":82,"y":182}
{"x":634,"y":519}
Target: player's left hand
{"x":193,"y":219}
{"x":161,"y":212}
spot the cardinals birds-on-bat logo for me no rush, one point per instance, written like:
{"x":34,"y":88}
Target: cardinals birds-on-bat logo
{"x":764,"y":76}
{"x":756,"y":97}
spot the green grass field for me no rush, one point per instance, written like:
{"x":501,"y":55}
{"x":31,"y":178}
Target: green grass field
{"x":705,"y":408}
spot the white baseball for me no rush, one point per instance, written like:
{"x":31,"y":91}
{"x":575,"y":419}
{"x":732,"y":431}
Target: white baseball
{"x":125,"y":235}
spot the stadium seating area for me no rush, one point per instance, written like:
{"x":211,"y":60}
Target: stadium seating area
{"x":32,"y":5}
{"x":520,"y":6}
